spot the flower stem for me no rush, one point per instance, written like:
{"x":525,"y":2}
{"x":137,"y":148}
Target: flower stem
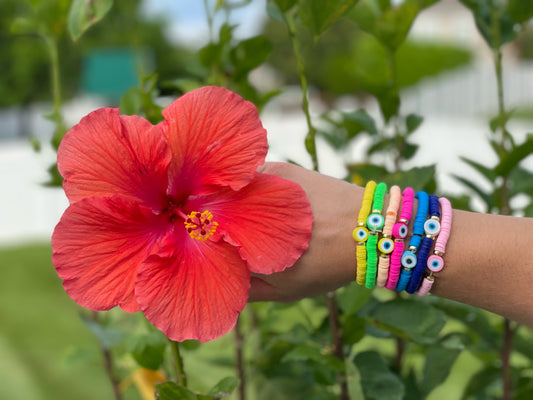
{"x":55,"y":116}
{"x":310,"y":139}
{"x":505,"y":208}
{"x":239,"y":338}
{"x":181,"y":377}
{"x":209,"y":17}
{"x":337,"y":342}
{"x":108,"y":365}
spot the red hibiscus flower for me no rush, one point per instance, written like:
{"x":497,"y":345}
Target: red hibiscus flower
{"x":172,"y":219}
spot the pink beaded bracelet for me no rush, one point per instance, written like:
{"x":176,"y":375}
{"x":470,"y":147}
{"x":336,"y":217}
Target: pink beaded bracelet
{"x":399,"y":232}
{"x":435,"y":262}
{"x":386,"y":244}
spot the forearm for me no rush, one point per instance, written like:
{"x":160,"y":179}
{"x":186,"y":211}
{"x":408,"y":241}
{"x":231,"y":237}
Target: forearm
{"x":489,"y":264}
{"x":488,"y":259}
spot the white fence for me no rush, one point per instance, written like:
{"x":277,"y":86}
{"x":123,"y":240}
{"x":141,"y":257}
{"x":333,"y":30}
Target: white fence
{"x":456,"y":107}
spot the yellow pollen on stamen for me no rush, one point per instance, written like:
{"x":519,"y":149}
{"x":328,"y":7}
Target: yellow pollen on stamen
{"x":200,"y":226}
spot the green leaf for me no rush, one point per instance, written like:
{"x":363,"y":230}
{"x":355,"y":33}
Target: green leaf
{"x":382,"y":145}
{"x":483,"y":379}
{"x":22,"y":26}
{"x":409,"y":150}
{"x":274,"y":11}
{"x":285,"y":5}
{"x":486,"y":197}
{"x":359,"y":121}
{"x":521,"y":181}
{"x":523,"y":389}
{"x":352,"y":297}
{"x":389,"y":102}
{"x":514,"y":157}
{"x":353,"y":379}
{"x":474,"y":319}
{"x":495,"y":123}
{"x":149,"y":350}
{"x":411,"y":318}
{"x":249,"y":54}
{"x":362,"y":173}
{"x":310,"y":353}
{"x":336,"y":139}
{"x":487,"y":172}
{"x":492,"y":21}
{"x":353,"y":329}
{"x":172,"y":391}
{"x":131,"y":102}
{"x":55,"y":178}
{"x":412,"y":390}
{"x":377,"y":380}
{"x":412,"y":122}
{"x":390,"y":24}
{"x":319,"y":15}
{"x":85,"y":13}
{"x":418,"y":178}
{"x":439,"y":361}
{"x":520,"y":10}
{"x":107,"y":335}
{"x":184,"y":85}
{"x":225,"y":387}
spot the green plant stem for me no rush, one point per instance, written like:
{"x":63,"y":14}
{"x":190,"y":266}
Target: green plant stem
{"x":56,"y":116}
{"x":507,"y":345}
{"x":310,"y":139}
{"x":239,"y":340}
{"x":108,"y":365}
{"x":336,"y":334}
{"x":209,"y":17}
{"x":181,"y":377}
{"x":507,"y":348}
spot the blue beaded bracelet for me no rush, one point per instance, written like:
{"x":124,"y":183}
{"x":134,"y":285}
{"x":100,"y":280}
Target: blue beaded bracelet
{"x":420,"y":268}
{"x":409,"y":258}
{"x":431,"y":229}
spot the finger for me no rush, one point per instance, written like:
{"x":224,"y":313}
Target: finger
{"x":260,"y":290}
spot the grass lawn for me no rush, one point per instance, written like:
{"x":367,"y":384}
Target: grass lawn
{"x":47,"y":353}
{"x":41,"y":332}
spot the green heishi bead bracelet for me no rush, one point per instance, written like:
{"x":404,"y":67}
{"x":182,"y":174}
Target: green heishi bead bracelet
{"x":375,"y":224}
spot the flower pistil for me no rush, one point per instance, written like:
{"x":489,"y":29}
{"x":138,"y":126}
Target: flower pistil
{"x":200,"y":226}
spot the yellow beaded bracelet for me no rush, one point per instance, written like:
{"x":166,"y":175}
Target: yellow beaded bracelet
{"x":360,"y":233}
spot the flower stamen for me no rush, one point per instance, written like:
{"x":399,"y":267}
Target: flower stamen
{"x":200,"y":226}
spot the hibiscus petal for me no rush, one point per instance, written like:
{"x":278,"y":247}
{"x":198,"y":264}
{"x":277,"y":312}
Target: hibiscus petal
{"x":107,"y":153}
{"x":98,"y":246}
{"x":216,"y":138}
{"x":269,"y":221}
{"x":197,"y":293}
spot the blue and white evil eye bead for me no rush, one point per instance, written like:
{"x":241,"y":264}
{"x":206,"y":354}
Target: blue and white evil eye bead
{"x":360,"y":234}
{"x":435,"y":263}
{"x":386,"y":245}
{"x":399,"y":230}
{"x":375,"y":222}
{"x":432,"y":227}
{"x":408,"y":260}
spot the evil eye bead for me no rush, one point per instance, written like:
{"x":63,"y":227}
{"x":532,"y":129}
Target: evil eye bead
{"x":435,"y":263}
{"x":386,"y":245}
{"x":375,"y":222}
{"x":360,"y":234}
{"x":399,"y":230}
{"x":408,"y":260}
{"x":432,"y":227}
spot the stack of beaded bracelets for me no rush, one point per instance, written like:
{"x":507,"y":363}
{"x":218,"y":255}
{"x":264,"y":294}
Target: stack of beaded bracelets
{"x":401,"y":269}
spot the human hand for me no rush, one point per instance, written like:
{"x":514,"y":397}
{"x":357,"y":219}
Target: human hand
{"x":329,"y":262}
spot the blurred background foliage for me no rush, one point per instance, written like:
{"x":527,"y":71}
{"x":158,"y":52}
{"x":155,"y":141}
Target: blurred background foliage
{"x":352,"y":344}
